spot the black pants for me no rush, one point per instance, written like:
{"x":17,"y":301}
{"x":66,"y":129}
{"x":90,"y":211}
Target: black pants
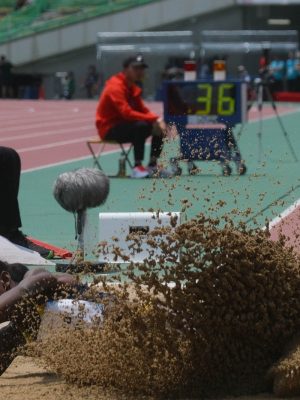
{"x":137,"y":133}
{"x":10,"y":168}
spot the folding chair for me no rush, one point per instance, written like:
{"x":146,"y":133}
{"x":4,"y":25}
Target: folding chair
{"x":102,"y":143}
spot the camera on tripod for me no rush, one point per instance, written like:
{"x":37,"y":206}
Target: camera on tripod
{"x":262,"y":87}
{"x":265,"y":77}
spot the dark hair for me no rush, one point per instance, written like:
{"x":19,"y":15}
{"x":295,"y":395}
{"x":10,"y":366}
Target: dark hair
{"x":16,"y":270}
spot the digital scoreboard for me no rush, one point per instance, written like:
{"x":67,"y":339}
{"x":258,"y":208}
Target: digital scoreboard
{"x":192,"y":102}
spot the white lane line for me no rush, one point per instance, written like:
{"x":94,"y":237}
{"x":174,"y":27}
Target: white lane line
{"x":10,"y":120}
{"x":57,"y":122}
{"x":51,"y":145}
{"x":108,"y":152}
{"x":117,"y":150}
{"x":46,"y":125}
{"x":271,"y":116}
{"x":48,"y":133}
{"x":284,"y":214}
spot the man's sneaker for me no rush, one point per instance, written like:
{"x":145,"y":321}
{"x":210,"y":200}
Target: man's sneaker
{"x":139,"y":172}
{"x":159,"y":172}
{"x":17,"y":237}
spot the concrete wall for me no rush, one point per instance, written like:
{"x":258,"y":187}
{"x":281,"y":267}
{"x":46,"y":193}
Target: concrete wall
{"x":83,"y":34}
{"x":228,"y":19}
{"x":190,"y":15}
{"x":78,"y":60}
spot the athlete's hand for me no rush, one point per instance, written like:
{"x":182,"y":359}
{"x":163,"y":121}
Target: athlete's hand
{"x":39,"y":282}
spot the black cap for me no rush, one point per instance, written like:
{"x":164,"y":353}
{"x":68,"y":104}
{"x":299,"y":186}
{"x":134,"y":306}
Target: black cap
{"x":135,"y":61}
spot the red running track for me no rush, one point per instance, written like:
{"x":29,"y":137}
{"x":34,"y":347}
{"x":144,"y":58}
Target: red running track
{"x":50,"y":132}
{"x":288,"y":225}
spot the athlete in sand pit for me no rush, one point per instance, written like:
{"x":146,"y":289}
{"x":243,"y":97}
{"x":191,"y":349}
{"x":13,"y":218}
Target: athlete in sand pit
{"x":20,"y":291}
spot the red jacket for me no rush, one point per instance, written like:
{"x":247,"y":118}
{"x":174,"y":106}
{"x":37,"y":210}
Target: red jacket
{"x":120,"y":103}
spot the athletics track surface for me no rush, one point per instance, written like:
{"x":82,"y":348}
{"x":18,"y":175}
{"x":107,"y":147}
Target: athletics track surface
{"x":50,"y":137}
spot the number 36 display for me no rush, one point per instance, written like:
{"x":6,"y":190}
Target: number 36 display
{"x":215,"y":101}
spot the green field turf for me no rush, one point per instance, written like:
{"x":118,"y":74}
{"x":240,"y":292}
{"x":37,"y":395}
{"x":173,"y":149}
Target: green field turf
{"x":275,"y":178}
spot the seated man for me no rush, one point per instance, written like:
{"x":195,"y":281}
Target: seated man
{"x":10,"y":219}
{"x":122,"y":116}
{"x":17,"y":283}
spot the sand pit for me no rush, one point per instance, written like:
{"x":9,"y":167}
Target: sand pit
{"x":224,"y":322}
{"x":24,"y":379}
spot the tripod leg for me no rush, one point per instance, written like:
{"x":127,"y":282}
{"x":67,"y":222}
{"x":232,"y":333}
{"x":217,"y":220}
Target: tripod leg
{"x":259,"y":134}
{"x":285,"y":134}
{"x":234,"y":150}
{"x":239,"y":134}
{"x":260,"y":108}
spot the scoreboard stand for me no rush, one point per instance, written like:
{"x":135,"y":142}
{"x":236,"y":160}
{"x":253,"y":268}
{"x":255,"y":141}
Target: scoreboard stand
{"x":204,"y":113}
